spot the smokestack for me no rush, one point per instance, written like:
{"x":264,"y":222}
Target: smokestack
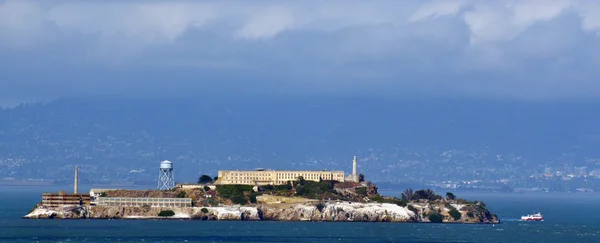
{"x":354,"y":166}
{"x":76,"y":184}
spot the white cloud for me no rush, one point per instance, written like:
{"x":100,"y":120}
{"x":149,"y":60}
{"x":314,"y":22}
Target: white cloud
{"x":267,"y":24}
{"x":375,"y":41}
{"x":437,"y":9}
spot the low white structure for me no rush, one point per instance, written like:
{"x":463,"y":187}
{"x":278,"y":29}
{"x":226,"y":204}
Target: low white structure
{"x":194,"y":186}
{"x":95,"y":192}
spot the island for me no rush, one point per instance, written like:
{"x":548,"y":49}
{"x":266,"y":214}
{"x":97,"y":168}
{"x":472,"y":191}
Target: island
{"x":266,"y":195}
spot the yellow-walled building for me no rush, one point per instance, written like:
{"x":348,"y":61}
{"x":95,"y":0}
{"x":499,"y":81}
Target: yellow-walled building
{"x":274,"y":177}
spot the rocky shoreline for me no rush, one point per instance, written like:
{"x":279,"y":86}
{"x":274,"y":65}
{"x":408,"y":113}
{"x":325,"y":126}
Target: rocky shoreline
{"x":313,"y":211}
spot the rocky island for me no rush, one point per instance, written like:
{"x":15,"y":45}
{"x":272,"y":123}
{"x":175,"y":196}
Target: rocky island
{"x":263,"y":195}
{"x":300,"y":200}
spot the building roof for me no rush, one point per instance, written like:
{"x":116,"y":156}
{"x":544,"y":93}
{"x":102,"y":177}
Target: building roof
{"x":96,"y":190}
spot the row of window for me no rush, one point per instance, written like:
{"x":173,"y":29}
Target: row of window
{"x":152,"y":204}
{"x":143,"y":200}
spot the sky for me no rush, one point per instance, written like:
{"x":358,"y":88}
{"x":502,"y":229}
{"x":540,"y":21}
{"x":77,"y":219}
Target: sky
{"x":525,"y":50}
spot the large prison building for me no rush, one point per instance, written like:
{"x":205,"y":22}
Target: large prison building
{"x":274,"y":177}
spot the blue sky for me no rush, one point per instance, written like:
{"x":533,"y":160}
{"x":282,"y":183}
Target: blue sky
{"x":530,"y":49}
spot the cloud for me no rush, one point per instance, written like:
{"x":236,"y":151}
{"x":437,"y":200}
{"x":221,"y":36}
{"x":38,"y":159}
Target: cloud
{"x":536,"y":49}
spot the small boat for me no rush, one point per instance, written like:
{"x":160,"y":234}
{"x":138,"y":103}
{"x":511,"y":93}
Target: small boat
{"x":532,"y":217}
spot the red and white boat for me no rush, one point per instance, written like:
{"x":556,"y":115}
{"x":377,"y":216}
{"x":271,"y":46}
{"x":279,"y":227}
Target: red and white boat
{"x":532,"y":217}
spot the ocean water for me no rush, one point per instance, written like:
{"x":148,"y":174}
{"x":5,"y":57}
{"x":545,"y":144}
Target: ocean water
{"x":568,"y":218}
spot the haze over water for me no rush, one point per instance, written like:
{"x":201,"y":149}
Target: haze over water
{"x":568,"y":218}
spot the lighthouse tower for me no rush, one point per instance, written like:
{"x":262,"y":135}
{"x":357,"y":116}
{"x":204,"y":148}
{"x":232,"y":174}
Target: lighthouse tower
{"x":354,"y":176}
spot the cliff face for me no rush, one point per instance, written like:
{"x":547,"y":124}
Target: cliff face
{"x":314,"y":211}
{"x":341,"y":211}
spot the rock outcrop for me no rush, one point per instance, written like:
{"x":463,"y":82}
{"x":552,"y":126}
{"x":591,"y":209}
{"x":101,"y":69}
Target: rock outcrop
{"x":311,"y":211}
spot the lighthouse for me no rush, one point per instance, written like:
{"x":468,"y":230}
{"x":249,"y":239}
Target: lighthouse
{"x":354,"y":176}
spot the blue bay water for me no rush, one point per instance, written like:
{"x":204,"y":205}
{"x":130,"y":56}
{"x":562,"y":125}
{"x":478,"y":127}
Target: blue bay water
{"x":568,"y":218}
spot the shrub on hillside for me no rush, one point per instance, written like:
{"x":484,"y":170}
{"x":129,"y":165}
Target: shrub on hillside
{"x":415,"y":210}
{"x":435,"y":217}
{"x":320,"y":207}
{"x":204,"y":210}
{"x":426,"y":194}
{"x":361,"y":191}
{"x":455,"y":214}
{"x":235,"y":193}
{"x":401,"y":203}
{"x":166,"y":213}
{"x":313,"y":189}
{"x":252,"y":197}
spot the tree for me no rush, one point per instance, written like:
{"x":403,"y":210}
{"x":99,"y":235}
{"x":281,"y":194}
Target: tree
{"x":455,"y":214}
{"x":205,"y":179}
{"x":450,"y":196}
{"x":408,"y":195}
{"x":426,"y":194}
{"x":361,"y":178}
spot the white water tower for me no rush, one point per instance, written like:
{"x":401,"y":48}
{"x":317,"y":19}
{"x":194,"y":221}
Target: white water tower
{"x":166,"y":181}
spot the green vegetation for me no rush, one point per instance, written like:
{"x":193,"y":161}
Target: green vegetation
{"x":181,"y":194}
{"x":361,"y":191}
{"x":313,"y":189}
{"x":426,"y":194}
{"x":252,"y":197}
{"x":277,"y":188}
{"x":103,"y":194}
{"x":166,"y":213}
{"x":399,"y":202}
{"x":415,"y":210}
{"x":408,"y":194}
{"x":205,"y":179}
{"x":455,"y":214}
{"x":212,"y":202}
{"x":320,"y":207}
{"x":204,"y":210}
{"x":435,"y":217}
{"x":470,"y":214}
{"x":206,"y":188}
{"x":450,"y":196}
{"x":235,"y":193}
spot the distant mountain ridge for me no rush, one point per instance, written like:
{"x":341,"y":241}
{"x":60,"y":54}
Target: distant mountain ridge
{"x":393,"y":138}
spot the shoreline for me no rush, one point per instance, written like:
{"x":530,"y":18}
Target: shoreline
{"x":299,"y":212}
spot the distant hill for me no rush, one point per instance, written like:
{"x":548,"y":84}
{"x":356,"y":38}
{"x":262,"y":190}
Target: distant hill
{"x":115,"y":139}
